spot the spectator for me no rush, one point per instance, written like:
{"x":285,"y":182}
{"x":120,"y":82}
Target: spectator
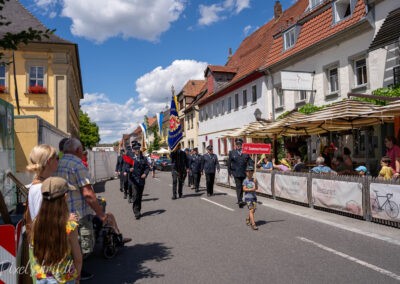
{"x":299,"y":165}
{"x":61,"y":147}
{"x":55,"y":255}
{"x":326,"y":155}
{"x":43,"y":163}
{"x":85,"y":159}
{"x":321,"y":168}
{"x":347,"y":161}
{"x":265,"y":162}
{"x":393,"y":152}
{"x":250,"y":187}
{"x":278,"y":165}
{"x":83,"y":201}
{"x":362,"y":170}
{"x":386,"y":172}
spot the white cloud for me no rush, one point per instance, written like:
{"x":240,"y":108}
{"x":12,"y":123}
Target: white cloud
{"x":100,"y":20}
{"x":246,"y":30}
{"x":154,"y":93}
{"x":217,"y":12}
{"x":48,"y":7}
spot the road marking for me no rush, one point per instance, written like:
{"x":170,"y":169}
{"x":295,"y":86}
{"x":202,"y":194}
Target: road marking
{"x":220,"y":205}
{"x":356,"y":260}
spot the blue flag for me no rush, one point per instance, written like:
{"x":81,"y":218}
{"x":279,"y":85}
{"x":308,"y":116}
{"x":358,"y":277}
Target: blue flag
{"x":160,"y":117}
{"x":175,"y":128}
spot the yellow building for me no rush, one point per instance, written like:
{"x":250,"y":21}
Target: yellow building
{"x":42,"y":80}
{"x":45,"y":77}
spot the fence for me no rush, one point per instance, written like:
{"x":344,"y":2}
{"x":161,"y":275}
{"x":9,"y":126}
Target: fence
{"x":359,"y":197}
{"x":102,"y":165}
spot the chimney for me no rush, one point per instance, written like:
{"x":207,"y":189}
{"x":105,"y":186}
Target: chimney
{"x":277,"y":9}
{"x":229,"y":54}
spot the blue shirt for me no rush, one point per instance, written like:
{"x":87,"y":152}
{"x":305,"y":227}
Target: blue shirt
{"x":321,"y":169}
{"x":250,"y":184}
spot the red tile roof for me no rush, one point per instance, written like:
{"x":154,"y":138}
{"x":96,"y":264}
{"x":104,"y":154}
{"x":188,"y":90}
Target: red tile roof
{"x":193,"y":87}
{"x":264,"y":47}
{"x":151,"y":121}
{"x":313,"y":31}
{"x":222,"y":69}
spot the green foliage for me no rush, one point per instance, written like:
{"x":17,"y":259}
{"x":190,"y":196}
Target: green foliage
{"x":156,"y":143}
{"x":383,"y":92}
{"x":11,"y":41}
{"x":310,"y":108}
{"x":283,"y":115}
{"x":89,"y":131}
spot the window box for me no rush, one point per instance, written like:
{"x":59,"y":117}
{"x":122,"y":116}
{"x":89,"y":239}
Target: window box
{"x":37,"y":90}
{"x":3,"y":89}
{"x":331,"y":96}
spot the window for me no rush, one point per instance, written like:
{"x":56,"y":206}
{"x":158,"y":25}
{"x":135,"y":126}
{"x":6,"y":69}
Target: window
{"x":191,"y":121}
{"x":315,"y":3}
{"x":2,"y":78}
{"x":36,"y":76}
{"x":254,"y":94}
{"x":244,"y":98}
{"x":333,"y":80}
{"x":279,"y":98}
{"x":222,"y":107}
{"x":396,"y":75}
{"x":216,"y":109}
{"x":301,"y":96}
{"x":229,"y":104}
{"x":360,"y":72}
{"x":289,"y":38}
{"x":236,"y":101}
{"x":343,"y":8}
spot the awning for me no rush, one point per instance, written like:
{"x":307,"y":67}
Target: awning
{"x":339,"y":116}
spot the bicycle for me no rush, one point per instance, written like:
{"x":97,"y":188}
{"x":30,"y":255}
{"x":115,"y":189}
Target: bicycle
{"x":390,"y":207}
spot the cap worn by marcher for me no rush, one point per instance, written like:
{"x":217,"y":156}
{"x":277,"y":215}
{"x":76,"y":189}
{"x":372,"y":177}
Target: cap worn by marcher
{"x":136,"y":146}
{"x":238,"y":141}
{"x":209,"y":147}
{"x":55,"y":187}
{"x":195,"y":149}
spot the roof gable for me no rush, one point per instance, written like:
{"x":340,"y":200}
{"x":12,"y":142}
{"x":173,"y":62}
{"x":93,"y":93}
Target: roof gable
{"x":192,"y":88}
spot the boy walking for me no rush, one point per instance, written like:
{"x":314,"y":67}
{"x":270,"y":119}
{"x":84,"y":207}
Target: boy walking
{"x":250,"y":186}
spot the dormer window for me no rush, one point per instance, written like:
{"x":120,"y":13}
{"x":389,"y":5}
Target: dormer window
{"x":314,"y":3}
{"x":343,"y":9}
{"x":289,"y":38}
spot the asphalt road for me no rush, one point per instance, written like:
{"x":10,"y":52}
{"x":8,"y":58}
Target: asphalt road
{"x":200,"y":239}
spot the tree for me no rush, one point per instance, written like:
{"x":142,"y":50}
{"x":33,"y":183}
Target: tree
{"x":10,"y":41}
{"x":89,"y":131}
{"x":156,"y":143}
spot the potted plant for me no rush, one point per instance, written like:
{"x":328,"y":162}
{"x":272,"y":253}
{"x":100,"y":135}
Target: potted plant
{"x":3,"y":89}
{"x":36,"y":89}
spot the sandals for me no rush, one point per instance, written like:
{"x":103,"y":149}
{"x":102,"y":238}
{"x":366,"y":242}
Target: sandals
{"x":254,"y":227}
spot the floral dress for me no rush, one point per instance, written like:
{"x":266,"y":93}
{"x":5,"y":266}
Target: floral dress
{"x":63,"y":272}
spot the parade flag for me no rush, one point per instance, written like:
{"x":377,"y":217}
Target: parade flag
{"x":144,"y":129}
{"x":160,"y":117}
{"x":175,"y":128}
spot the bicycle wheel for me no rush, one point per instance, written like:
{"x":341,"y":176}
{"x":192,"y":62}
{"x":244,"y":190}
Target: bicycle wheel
{"x":391,"y":209}
{"x":374,"y":206}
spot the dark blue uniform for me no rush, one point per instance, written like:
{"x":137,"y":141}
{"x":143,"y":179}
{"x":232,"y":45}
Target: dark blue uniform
{"x":195,"y":169}
{"x":180,"y":165}
{"x":119,"y":169}
{"x":237,"y":163}
{"x":140,"y":167}
{"x":209,"y":165}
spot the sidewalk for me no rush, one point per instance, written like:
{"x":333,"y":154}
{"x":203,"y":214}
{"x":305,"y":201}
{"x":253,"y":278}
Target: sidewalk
{"x":370,"y":229}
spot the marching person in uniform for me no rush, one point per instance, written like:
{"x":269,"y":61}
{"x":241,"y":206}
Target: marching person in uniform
{"x":137,"y":177}
{"x":128,"y":162}
{"x":180,"y":167}
{"x":237,"y":163}
{"x":189,"y":174}
{"x":209,"y":165}
{"x":119,"y":169}
{"x":195,"y":168}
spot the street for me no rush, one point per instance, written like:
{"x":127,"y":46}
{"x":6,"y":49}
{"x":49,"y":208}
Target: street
{"x":200,"y":239}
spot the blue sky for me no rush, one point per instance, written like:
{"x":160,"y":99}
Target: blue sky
{"x":132,"y":51}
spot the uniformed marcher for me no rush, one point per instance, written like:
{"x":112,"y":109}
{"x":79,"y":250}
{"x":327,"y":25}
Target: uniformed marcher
{"x":189,"y":174}
{"x":195,"y":168}
{"x":180,"y":167}
{"x":209,"y":165}
{"x":128,"y":161}
{"x":137,"y":177}
{"x":119,"y":170}
{"x":237,"y":163}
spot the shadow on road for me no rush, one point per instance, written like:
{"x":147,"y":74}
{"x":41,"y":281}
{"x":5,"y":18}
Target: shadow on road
{"x":150,"y":199}
{"x":221,"y":193}
{"x":153,"y":212}
{"x":129,"y":264}
{"x":262,"y":222}
{"x":193,"y":194}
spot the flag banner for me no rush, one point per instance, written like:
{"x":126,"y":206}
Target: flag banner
{"x":160,"y":118}
{"x":143,"y":126}
{"x":175,"y":128}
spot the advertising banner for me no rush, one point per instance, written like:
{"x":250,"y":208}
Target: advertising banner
{"x":291,"y":187}
{"x":222,"y":176}
{"x":292,"y":80}
{"x":339,"y":195}
{"x":7,"y":153}
{"x":264,"y":182}
{"x":385,"y":201}
{"x":256,"y":148}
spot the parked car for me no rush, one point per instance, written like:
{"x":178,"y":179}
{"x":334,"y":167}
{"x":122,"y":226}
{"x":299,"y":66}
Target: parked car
{"x":164,"y":164}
